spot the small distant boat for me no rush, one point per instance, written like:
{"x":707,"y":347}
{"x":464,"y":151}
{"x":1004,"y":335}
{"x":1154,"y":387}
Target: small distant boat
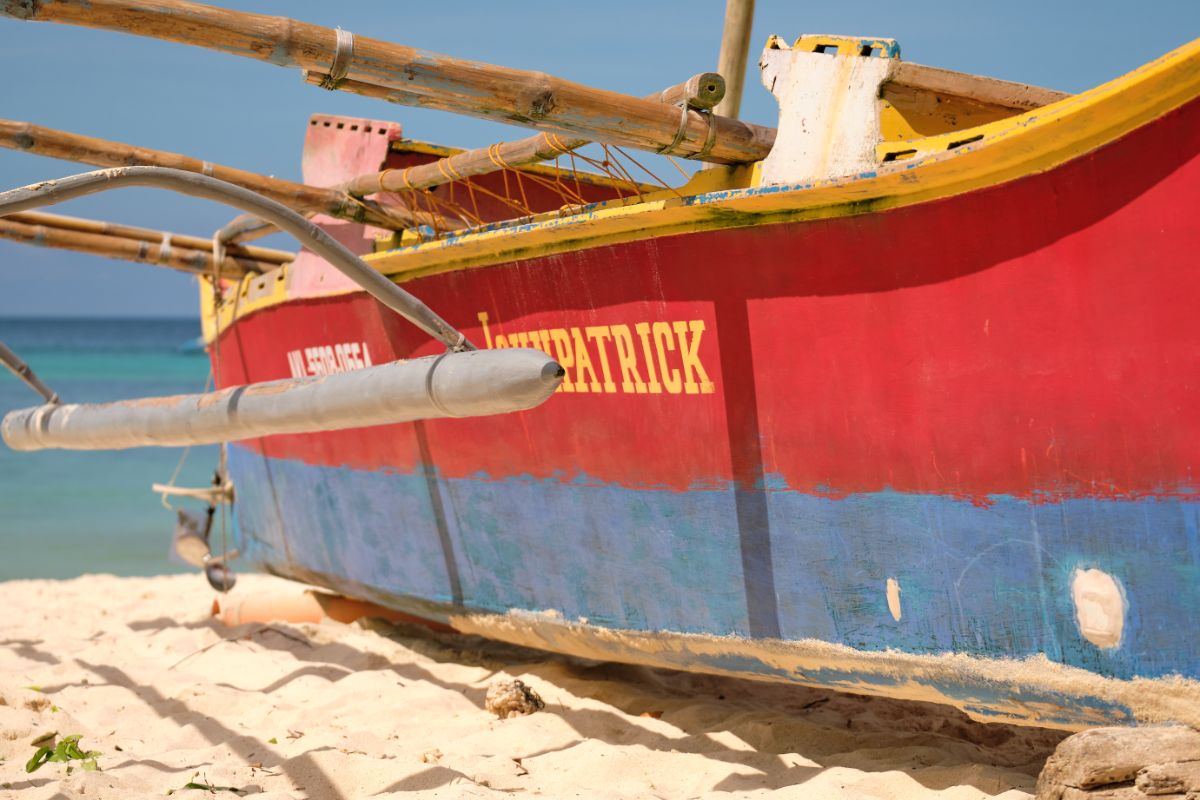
{"x":900,"y":398}
{"x":193,"y":347}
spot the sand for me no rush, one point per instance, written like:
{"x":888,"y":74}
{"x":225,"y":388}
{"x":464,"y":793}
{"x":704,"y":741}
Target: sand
{"x":169,"y":696}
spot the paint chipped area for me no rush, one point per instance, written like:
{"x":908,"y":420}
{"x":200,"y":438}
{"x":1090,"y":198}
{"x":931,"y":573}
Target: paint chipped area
{"x":1031,"y":691}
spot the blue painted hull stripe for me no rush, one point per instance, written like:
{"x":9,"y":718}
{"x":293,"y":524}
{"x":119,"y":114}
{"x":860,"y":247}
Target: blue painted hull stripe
{"x":992,"y":581}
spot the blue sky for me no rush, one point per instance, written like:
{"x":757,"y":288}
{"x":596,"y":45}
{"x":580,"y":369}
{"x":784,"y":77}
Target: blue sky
{"x":252,"y":115}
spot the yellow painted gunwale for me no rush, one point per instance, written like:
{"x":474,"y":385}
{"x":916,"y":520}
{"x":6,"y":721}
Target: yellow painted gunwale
{"x":1021,"y":145}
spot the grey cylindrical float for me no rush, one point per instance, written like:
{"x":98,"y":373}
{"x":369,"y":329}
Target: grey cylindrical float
{"x":467,"y":384}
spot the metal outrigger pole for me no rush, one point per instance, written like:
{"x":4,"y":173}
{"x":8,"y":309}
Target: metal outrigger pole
{"x":461,"y":382}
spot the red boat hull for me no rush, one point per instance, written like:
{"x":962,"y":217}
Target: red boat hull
{"x":764,"y":428}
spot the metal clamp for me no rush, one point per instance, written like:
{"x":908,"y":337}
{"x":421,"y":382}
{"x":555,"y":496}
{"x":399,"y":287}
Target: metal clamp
{"x":343,"y":54}
{"x":669,"y":150}
{"x":710,"y":138}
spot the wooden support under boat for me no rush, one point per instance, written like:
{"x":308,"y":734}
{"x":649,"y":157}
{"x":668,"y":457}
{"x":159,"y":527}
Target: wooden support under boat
{"x":103,"y":153}
{"x":166,"y":251}
{"x":534,"y":99}
{"x":701,"y":91}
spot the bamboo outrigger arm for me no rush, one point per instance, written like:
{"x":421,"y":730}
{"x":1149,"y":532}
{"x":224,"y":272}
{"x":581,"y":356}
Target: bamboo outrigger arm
{"x":196,"y":185}
{"x":103,"y":153}
{"x":164,"y":253}
{"x":473,"y":88}
{"x":700,"y":92}
{"x":264,"y":255}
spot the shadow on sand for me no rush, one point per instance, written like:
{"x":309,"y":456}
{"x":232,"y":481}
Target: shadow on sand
{"x":787,"y":734}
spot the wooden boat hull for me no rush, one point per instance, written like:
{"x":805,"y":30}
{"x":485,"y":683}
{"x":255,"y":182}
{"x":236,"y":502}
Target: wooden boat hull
{"x":942,"y":451}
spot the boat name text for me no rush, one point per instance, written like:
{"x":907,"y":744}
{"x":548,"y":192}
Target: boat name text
{"x":643,"y":358}
{"x":328,"y":359}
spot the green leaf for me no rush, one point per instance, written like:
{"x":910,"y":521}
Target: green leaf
{"x":272,"y":740}
{"x":66,"y":750}
{"x":39,"y":758}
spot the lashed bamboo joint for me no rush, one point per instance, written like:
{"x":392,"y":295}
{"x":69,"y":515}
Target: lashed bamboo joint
{"x":700,"y":92}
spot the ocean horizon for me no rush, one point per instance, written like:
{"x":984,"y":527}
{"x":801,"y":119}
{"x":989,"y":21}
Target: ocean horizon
{"x":67,"y":513}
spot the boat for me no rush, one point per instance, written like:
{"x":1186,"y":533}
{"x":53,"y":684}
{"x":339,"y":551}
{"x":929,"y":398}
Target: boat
{"x":905,"y":405}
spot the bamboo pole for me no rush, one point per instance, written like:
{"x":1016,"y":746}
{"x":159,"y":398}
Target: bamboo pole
{"x":522,"y":97}
{"x":735,"y":49}
{"x":103,"y":153}
{"x":183,"y":259}
{"x":701,"y":91}
{"x":249,"y":253}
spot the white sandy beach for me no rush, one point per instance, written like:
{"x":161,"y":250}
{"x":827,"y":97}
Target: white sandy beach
{"x":168,"y":696}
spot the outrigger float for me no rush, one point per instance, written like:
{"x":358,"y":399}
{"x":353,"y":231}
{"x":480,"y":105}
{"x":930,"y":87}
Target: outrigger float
{"x":899,"y":398}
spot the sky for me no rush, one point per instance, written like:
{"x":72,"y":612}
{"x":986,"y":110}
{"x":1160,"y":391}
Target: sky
{"x":252,"y":115}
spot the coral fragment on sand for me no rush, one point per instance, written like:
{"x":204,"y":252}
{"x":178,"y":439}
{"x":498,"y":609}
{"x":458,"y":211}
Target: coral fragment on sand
{"x":508,"y":699}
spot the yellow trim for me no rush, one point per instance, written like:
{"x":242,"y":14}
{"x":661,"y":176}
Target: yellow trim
{"x":252,"y":293}
{"x":861,"y":46}
{"x":1001,"y":151}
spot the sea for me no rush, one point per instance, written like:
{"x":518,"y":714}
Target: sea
{"x":66,"y":513}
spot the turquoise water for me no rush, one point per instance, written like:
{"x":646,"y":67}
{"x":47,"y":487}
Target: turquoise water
{"x":65,"y":513}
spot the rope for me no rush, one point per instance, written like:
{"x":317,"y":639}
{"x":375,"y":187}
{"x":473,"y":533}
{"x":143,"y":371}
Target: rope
{"x":495,"y":157}
{"x":558,"y":145}
{"x":448,"y":172}
{"x":208,"y":382}
{"x":382,"y":176}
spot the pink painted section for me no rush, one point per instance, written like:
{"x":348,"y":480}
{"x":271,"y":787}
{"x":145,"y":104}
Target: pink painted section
{"x":335,"y":150}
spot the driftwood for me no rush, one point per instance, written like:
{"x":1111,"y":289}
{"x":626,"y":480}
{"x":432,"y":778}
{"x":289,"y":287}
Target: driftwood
{"x":701,"y":91}
{"x":103,"y":153}
{"x":164,"y":253}
{"x":473,"y":88}
{"x":1124,"y":764}
{"x":246,"y":253}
